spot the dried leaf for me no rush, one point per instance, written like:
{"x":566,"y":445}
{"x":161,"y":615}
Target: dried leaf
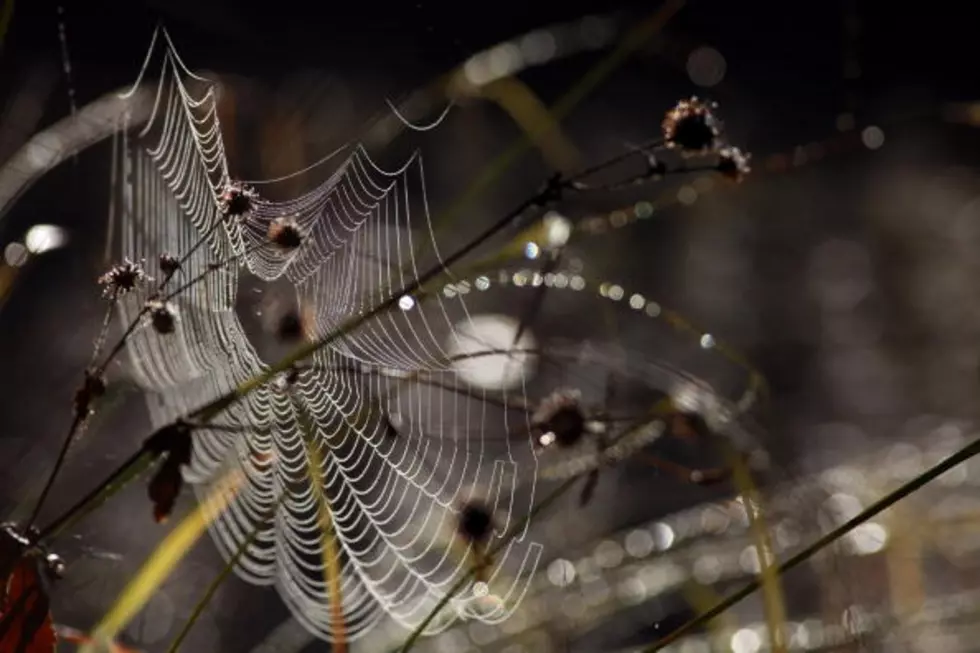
{"x":164,"y":489}
{"x":25,"y":612}
{"x":174,"y":441}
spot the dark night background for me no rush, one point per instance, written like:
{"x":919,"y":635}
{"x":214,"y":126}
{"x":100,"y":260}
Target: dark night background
{"x":769,"y":267}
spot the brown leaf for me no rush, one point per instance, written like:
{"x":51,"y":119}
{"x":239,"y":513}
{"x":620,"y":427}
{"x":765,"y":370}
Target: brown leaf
{"x":173,"y":440}
{"x":165,"y":488}
{"x":25,"y":613}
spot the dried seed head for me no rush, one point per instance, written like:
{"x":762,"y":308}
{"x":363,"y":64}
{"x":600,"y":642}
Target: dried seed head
{"x":236,"y":199}
{"x":559,"y":419}
{"x":163,"y":316}
{"x":295,"y":325}
{"x":123,"y":278}
{"x":169,"y":264}
{"x":285,"y":233}
{"x":692,"y":127}
{"x":733,"y":163}
{"x":290,"y":327}
{"x":475,"y":522}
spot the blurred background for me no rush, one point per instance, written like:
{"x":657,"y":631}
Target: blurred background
{"x":844,"y":268}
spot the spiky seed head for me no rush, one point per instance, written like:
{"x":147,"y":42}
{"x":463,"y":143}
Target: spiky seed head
{"x":692,"y":127}
{"x":169,"y":264}
{"x":475,"y":522}
{"x":285,"y":233}
{"x":560,"y":419}
{"x":163,"y":316}
{"x":123,"y":278}
{"x":236,"y":199}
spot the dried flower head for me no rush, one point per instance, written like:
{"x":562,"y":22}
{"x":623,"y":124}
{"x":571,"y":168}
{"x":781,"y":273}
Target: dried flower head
{"x":285,"y":233}
{"x":692,"y":127}
{"x":236,"y":199}
{"x":163,"y":316}
{"x":733,"y":163}
{"x":123,"y":278}
{"x":475,"y":522}
{"x":560,"y":419}
{"x":169,"y":264}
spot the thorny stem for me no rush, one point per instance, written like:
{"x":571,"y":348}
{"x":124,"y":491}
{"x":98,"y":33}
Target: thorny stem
{"x":642,"y":178}
{"x":882,"y":504}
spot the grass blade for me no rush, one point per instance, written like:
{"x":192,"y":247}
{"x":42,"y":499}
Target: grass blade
{"x":329,"y":549}
{"x":167,"y":555}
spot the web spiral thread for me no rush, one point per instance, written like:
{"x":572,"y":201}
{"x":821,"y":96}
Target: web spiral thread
{"x":394,"y":499}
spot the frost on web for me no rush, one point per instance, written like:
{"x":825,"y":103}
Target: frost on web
{"x":397,"y":460}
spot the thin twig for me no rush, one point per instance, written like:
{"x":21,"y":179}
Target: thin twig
{"x":76,"y":422}
{"x":214,"y":268}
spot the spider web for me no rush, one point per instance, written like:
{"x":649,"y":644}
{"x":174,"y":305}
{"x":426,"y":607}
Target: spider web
{"x":393,"y":498}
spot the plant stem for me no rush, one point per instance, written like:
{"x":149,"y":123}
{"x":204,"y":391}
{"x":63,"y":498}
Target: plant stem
{"x":218,"y":266}
{"x":76,"y":422}
{"x":115,"y":481}
{"x":882,"y":504}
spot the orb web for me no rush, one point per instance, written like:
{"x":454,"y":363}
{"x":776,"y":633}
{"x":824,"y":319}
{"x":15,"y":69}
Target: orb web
{"x":396,"y":461}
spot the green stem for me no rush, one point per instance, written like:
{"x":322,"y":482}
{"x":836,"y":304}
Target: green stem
{"x":882,"y":504}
